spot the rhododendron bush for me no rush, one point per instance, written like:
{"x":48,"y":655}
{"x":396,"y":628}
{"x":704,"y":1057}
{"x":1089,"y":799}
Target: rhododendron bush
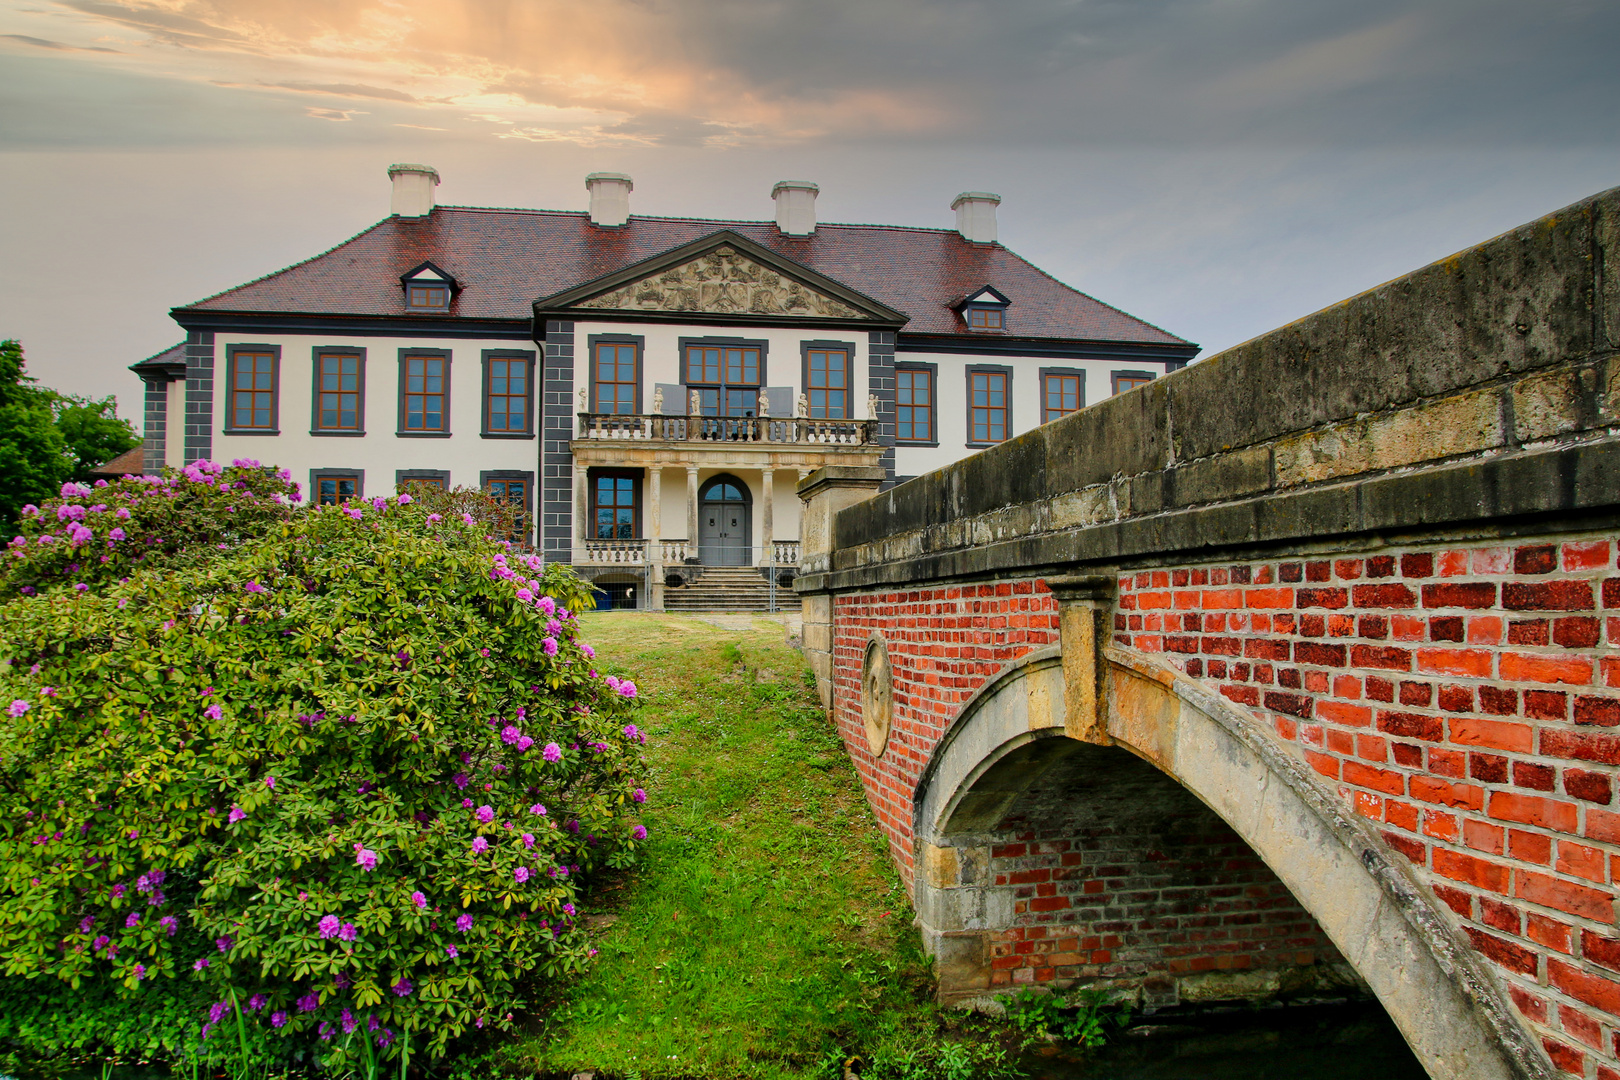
{"x":353,"y":770}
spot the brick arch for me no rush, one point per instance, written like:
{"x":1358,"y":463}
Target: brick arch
{"x":1009,"y":738}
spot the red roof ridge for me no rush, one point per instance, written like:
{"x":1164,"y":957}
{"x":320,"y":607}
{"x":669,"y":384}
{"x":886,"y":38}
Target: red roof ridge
{"x":693,"y":220}
{"x":289,"y":266}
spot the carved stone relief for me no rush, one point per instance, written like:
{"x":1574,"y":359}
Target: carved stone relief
{"x":722,"y":282}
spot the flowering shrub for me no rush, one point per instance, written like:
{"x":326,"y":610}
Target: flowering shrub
{"x":354,"y":772}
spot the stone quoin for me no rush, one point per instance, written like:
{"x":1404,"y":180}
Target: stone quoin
{"x":1296,"y":669}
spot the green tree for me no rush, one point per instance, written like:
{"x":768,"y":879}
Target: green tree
{"x":92,"y":431}
{"x":34,"y":459}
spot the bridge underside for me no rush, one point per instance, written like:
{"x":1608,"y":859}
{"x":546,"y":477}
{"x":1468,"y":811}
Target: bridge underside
{"x":1068,"y":863}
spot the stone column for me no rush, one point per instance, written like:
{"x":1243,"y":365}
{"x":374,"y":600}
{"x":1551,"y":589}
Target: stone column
{"x":825,"y":492}
{"x":582,"y":513}
{"x":1085,"y":622}
{"x":691,"y":514}
{"x":767,"y":514}
{"x":655,"y":538}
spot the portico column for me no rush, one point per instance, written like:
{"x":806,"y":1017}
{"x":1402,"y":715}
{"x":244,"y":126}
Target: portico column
{"x":582,"y":513}
{"x":691,"y":512}
{"x":655,"y":538}
{"x":767,"y":492}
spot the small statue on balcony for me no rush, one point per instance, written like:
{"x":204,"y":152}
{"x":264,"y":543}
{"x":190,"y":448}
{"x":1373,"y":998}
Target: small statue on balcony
{"x":764,"y":403}
{"x":658,"y":400}
{"x":694,"y":403}
{"x":872,"y":406}
{"x":804,"y":410}
{"x":584,"y":400}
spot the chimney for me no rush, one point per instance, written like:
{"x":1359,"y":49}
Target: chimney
{"x":976,"y":216}
{"x":610,"y":198}
{"x":413,"y":189}
{"x":795,"y":207}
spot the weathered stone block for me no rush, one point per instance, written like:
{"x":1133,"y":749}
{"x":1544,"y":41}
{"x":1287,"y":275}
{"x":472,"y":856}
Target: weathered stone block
{"x":1545,"y":406}
{"x":1457,"y":425}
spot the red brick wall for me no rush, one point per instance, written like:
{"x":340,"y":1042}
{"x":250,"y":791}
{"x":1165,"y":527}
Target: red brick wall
{"x":1459,"y":696}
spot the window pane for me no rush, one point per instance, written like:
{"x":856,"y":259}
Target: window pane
{"x":914,"y":405}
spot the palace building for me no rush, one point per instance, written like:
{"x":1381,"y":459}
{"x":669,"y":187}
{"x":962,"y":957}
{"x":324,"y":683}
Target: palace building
{"x":649,"y":389}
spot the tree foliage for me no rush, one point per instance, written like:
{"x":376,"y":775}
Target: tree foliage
{"x":351,"y":764}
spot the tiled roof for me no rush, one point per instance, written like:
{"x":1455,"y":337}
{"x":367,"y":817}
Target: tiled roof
{"x":173,"y":356}
{"x":505,"y":259}
{"x":130,"y":462}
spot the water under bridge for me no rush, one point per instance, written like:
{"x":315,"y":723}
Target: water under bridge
{"x":1293,"y":670}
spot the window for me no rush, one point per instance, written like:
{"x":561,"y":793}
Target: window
{"x":985,"y":318}
{"x":1130,"y":380}
{"x":1062,"y":392}
{"x":512,"y":489}
{"x":614,"y":375}
{"x":914,"y":405}
{"x":615,"y":505}
{"x":826,"y":381}
{"x":428,"y":297}
{"x":987,"y":404}
{"x":334,"y":487}
{"x":252,"y":406}
{"x":726,"y":376}
{"x":339,"y":393}
{"x":424,"y":393}
{"x":508,"y":394}
{"x":438,"y":479}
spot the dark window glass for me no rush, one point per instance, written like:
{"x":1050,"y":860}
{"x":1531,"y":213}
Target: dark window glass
{"x":339,"y":408}
{"x":986,"y":318}
{"x":427,"y":296}
{"x":437,"y":483}
{"x":615,"y":378}
{"x":253,"y":391}
{"x":988,"y":406}
{"x":507,"y":395}
{"x":828,"y":389}
{"x":424,"y":393}
{"x":512,"y":493}
{"x":1060,"y":396}
{"x":724,"y":375}
{"x":335,"y":490}
{"x":614,"y":509}
{"x":914,"y":404}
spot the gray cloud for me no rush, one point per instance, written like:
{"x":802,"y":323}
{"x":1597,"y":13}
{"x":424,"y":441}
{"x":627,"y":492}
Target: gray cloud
{"x":58,"y":46}
{"x":343,"y":90}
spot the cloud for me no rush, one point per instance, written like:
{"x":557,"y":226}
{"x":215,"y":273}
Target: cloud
{"x":343,"y":90}
{"x":43,"y":43}
{"x":340,"y":115}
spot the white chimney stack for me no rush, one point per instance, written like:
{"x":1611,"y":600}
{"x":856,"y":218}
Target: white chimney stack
{"x":795,"y":207}
{"x":413,"y":189}
{"x":610,"y":198}
{"x":976,"y":216}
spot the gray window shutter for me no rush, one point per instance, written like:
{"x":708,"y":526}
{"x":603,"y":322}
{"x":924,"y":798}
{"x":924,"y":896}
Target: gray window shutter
{"x":674,"y":399}
{"x":781,"y":400}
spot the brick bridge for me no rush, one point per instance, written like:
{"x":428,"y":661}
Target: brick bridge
{"x":1297,"y":669}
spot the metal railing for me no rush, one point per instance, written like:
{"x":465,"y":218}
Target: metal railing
{"x":791,"y":430}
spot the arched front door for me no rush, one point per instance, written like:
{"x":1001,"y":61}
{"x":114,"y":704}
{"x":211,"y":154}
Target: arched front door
{"x":725,"y":513}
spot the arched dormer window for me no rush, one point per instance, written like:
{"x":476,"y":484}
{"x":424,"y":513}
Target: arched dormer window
{"x":428,"y":288}
{"x":985,"y":309}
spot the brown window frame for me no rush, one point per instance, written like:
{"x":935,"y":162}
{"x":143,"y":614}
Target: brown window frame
{"x":637,"y":478}
{"x":848,"y":349}
{"x":231,"y":353}
{"x":507,"y":476}
{"x":487,"y":361}
{"x":974,"y":311}
{"x":1006,"y":374}
{"x":1116,"y":377}
{"x":596,"y":341}
{"x":317,"y":475}
{"x":1047,"y":413}
{"x":724,"y":385}
{"x":441,"y":287}
{"x":440,"y":478}
{"x":405,"y":357}
{"x":932,"y":371}
{"x":318,"y":354}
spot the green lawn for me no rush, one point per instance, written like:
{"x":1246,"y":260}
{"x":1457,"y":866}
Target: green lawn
{"x":766,"y":934}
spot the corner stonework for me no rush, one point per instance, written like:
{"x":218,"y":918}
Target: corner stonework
{"x":824,"y":493}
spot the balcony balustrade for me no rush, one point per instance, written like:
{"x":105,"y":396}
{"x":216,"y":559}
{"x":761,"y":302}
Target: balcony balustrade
{"x":635,"y":552}
{"x":785,"y":430}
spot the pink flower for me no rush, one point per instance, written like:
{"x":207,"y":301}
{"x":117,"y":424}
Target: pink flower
{"x":550,"y":645}
{"x":627,"y":689}
{"x":485,"y":813}
{"x":236,"y":814}
{"x":525,"y":595}
{"x":479,"y":845}
{"x":639,"y":832}
{"x":213,"y":712}
{"x":365,"y":857}
{"x":639,"y":795}
{"x":328,"y":926}
{"x":118,"y":534}
{"x":405,"y":500}
{"x":528,"y":840}
{"x":521,"y":874}
{"x":510,"y":735}
{"x":347,"y":932}
{"x":122,"y":515}
{"x":552,"y":752}
{"x":587,"y":650}
{"x":524,"y":743}
{"x":434,"y":517}
{"x":464,"y":923}
{"x":200,"y":964}
{"x":548,"y":605}
{"x":538,"y":809}
{"x":466,"y":519}
{"x":18,"y":707}
{"x":419,"y":900}
{"x":450,"y":951}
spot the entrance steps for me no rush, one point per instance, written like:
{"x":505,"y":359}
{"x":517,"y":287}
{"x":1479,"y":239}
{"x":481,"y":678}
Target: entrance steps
{"x":729,"y":588}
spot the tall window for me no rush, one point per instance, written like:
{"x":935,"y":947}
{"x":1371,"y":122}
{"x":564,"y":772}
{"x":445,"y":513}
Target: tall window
{"x":506,"y":396}
{"x":613,"y":506}
{"x":335,"y":489}
{"x":726,"y":378}
{"x":987,"y":406}
{"x":827,"y":383}
{"x":615,"y":374}
{"x":337,"y":401}
{"x":424,"y":404}
{"x":914,"y":404}
{"x":253,"y":390}
{"x":512,"y":491}
{"x":1060,"y":395}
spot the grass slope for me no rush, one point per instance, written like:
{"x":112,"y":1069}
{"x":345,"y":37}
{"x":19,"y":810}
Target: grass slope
{"x":766,"y":934}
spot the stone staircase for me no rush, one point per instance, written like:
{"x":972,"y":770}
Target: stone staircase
{"x":729,"y":588}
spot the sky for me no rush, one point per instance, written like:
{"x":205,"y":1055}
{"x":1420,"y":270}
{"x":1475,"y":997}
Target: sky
{"x":1217,"y":167}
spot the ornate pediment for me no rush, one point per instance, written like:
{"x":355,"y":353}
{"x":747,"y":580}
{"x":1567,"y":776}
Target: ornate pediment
{"x":723,"y":281}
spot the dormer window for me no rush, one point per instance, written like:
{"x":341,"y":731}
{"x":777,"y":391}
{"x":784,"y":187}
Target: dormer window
{"x":428,"y":288}
{"x":985,"y":309}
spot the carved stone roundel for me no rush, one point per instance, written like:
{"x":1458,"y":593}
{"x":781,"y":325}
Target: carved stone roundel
{"x":877,"y":695}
